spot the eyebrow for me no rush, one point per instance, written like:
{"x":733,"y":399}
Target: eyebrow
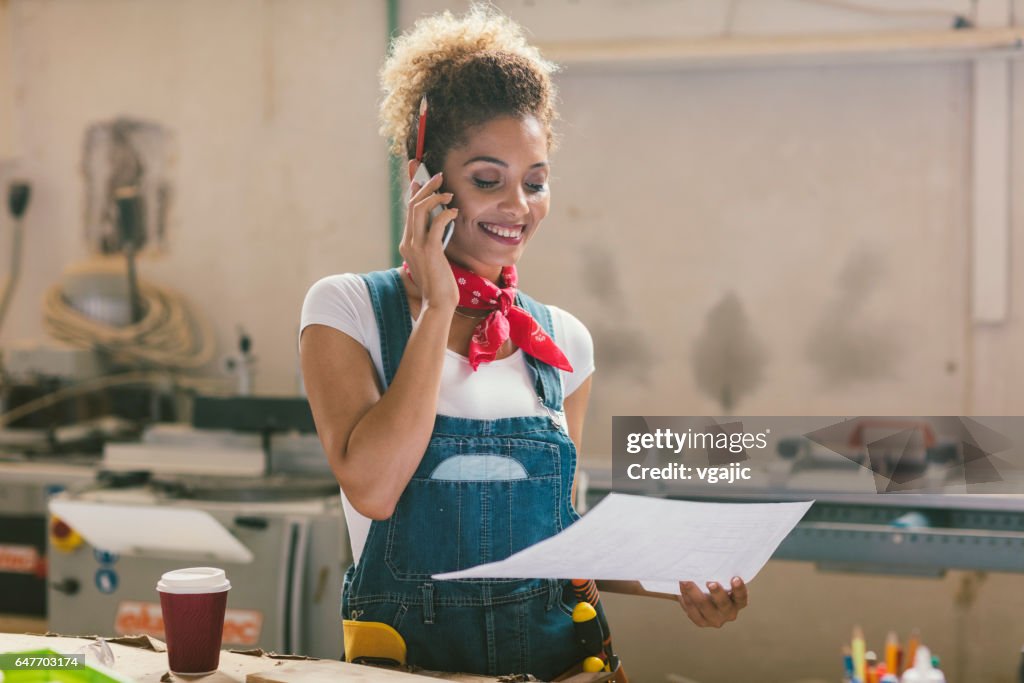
{"x":499,"y":162}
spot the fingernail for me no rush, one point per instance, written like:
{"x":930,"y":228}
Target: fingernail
{"x":437,"y":175}
{"x":736,"y":581}
{"x":712,"y":586}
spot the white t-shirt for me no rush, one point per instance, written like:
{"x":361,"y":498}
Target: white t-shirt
{"x":501,"y":388}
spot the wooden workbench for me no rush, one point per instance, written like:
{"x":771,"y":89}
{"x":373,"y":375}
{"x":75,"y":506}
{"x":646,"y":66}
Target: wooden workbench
{"x":146,"y":660}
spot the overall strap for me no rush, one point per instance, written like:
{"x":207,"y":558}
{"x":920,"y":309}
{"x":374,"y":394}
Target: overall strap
{"x":391,"y":309}
{"x":547,"y":381}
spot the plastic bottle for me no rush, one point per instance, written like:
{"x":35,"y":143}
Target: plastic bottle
{"x":923,"y":671}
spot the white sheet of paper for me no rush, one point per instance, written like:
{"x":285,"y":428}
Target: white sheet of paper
{"x":656,"y":541}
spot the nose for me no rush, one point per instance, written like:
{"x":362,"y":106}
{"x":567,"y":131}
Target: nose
{"x":513,"y":202}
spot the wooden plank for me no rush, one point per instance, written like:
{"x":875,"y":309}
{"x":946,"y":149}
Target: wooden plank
{"x":326,"y":671}
{"x":774,"y":51}
{"x":144,"y":664}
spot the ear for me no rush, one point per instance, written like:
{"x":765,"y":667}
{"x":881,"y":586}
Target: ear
{"x":413,"y":165}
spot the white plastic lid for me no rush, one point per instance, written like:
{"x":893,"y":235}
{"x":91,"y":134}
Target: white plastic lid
{"x":923,"y":671}
{"x":923,"y":659}
{"x":194,"y":580}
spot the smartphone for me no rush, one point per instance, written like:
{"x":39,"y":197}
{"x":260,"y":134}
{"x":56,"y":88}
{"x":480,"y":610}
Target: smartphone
{"x":422,"y":177}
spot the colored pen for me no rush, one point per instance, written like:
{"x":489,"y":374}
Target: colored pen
{"x":892,"y":652}
{"x":870,"y":667}
{"x":857,"y":649}
{"x":422,"y":130}
{"x":847,"y":663}
{"x":915,"y":640}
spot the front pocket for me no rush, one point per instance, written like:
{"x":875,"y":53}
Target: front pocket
{"x":375,"y":610}
{"x":495,"y":497}
{"x":425,"y":531}
{"x":566,"y":599}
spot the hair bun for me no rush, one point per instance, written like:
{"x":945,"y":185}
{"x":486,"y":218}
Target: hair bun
{"x":436,"y":48}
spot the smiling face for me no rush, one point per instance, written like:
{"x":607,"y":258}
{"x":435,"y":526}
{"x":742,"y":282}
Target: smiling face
{"x":499,"y":180}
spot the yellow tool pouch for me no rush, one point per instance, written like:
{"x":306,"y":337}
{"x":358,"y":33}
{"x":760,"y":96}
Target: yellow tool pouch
{"x":373,"y":642}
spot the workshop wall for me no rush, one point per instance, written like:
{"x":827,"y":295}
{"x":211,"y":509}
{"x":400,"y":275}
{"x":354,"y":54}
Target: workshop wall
{"x":279,"y":176}
{"x":6,"y":83}
{"x":813,"y":217}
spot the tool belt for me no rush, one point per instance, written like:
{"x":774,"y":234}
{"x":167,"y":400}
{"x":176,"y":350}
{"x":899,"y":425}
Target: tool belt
{"x":593,"y":634}
{"x":377,"y":644}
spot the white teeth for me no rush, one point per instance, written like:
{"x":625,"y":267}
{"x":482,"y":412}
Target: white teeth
{"x":503,"y":232}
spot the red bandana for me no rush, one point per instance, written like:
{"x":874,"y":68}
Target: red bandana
{"x":505,"y":321}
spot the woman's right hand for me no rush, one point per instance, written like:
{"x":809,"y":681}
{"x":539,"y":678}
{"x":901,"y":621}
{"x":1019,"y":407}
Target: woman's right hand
{"x":421,"y":245}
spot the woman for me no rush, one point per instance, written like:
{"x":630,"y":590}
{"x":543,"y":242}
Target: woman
{"x":449,"y":404}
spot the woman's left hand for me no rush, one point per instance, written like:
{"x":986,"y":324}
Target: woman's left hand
{"x":716,"y":608}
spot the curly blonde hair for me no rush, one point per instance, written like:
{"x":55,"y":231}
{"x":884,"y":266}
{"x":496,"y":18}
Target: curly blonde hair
{"x":471,"y":68}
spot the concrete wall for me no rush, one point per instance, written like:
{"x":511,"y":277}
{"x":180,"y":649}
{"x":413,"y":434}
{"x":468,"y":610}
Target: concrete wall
{"x":826,"y":209}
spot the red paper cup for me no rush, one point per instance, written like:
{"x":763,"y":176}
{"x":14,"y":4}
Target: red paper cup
{"x":193,"y":602}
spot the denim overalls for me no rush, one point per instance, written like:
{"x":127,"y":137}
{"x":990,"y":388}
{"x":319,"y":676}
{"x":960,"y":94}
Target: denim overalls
{"x":485,"y":489}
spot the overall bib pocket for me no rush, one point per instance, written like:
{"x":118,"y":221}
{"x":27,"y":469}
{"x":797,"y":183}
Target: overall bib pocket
{"x":473,"y":501}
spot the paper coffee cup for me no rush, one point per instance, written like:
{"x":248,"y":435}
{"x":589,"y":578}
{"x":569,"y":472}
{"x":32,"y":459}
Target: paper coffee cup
{"x":193,"y":601}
